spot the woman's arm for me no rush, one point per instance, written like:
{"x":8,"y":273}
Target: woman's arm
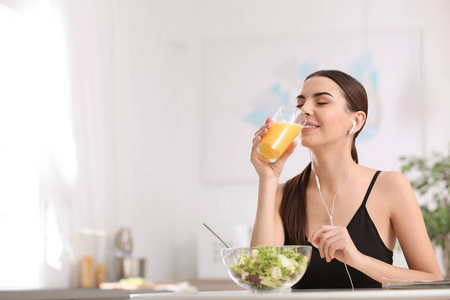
{"x":268,"y":228}
{"x":409,"y":227}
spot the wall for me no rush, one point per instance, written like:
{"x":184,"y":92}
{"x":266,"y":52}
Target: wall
{"x":153,"y":94}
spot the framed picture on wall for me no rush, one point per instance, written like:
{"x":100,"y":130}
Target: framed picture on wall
{"x":247,"y":79}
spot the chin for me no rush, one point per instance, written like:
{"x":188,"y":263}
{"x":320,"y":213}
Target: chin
{"x":308,"y":143}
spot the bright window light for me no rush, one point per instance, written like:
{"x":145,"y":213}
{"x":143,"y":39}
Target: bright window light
{"x":35,"y":136}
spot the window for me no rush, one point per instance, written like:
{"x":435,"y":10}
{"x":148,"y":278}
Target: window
{"x":36,"y":141}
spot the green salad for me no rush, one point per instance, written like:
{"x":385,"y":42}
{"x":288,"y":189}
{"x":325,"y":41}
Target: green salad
{"x":269,"y":267}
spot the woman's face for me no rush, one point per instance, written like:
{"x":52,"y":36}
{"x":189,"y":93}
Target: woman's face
{"x":329,"y":121}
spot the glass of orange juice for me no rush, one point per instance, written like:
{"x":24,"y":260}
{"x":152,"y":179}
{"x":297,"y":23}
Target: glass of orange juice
{"x":285,"y":127}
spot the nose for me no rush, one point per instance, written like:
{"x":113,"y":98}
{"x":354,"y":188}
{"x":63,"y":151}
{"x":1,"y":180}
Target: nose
{"x":306,"y":108}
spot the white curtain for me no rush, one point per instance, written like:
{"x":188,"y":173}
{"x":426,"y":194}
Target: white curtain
{"x":63,"y":124}
{"x":99,"y":78}
{"x":98,"y":59}
{"x":38,"y":166}
{"x":75,"y":151}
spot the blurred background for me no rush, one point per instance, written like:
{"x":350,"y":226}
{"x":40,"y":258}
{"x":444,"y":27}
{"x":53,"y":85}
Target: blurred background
{"x":139,"y":115}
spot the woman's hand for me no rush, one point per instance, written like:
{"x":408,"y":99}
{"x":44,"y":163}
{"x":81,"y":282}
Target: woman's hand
{"x":335,"y":242}
{"x":263,"y":168}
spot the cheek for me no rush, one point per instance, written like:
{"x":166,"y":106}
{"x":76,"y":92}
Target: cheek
{"x":336,"y":125}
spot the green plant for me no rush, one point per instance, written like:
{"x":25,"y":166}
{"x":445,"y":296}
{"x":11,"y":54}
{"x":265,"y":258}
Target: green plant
{"x":430,"y":178}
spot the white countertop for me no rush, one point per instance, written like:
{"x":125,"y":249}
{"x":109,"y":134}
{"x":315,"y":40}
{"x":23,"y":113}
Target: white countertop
{"x":67,"y":294}
{"x":316,"y":295}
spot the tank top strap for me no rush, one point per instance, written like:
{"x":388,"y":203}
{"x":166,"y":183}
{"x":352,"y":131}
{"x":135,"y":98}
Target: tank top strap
{"x":370,"y":187}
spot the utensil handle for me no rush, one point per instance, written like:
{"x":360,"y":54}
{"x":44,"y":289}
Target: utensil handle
{"x":216,"y":235}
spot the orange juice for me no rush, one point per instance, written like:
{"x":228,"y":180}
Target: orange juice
{"x":277,"y":140}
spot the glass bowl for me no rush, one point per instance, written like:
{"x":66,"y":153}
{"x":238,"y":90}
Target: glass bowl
{"x":266,"y":268}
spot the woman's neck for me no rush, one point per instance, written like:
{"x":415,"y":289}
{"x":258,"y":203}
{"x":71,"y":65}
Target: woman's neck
{"x":332,"y":167}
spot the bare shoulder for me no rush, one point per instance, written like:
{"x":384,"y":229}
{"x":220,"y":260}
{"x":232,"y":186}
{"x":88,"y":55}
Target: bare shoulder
{"x":395,"y":189}
{"x":393,"y":182}
{"x":387,"y":181}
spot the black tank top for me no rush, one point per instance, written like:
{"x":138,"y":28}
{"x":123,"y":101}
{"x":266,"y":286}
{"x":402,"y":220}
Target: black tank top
{"x":332,"y":275}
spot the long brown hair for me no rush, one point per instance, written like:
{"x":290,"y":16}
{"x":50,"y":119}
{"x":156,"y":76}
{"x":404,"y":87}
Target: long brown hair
{"x":293,"y":204}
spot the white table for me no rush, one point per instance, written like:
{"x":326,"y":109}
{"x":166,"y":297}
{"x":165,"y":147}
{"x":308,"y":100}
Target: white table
{"x":316,"y":295}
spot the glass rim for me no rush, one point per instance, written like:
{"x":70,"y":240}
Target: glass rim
{"x":256,"y":248}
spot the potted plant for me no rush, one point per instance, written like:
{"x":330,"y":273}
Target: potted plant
{"x":430,"y":179}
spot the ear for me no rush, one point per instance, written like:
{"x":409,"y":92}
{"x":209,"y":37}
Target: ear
{"x":359,"y":120}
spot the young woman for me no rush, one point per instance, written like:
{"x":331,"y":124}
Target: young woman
{"x":351,"y":215}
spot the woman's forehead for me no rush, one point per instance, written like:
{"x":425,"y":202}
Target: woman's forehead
{"x":319,"y":84}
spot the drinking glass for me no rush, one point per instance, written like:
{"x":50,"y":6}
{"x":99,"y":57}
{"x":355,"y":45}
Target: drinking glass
{"x":285,"y":127}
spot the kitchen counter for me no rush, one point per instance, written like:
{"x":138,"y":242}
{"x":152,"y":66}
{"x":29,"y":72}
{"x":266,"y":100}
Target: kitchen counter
{"x":111,"y":294}
{"x":69,"y":294}
{"x":316,"y":295}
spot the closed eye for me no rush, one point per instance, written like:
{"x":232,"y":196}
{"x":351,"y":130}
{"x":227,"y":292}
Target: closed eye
{"x":318,"y":103}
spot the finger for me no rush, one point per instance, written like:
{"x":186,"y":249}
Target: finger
{"x":335,"y":240}
{"x":268,"y":120}
{"x":288,"y":151}
{"x":279,"y":164}
{"x":256,"y":141}
{"x":337,"y":245}
{"x":330,"y":246}
{"x":324,"y":240}
{"x":345,"y":241}
{"x":314,"y":243}
{"x":263,"y":131}
{"x":316,"y":234}
{"x":265,"y":126}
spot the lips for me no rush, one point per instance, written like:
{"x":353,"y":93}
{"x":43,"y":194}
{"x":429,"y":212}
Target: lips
{"x":310,"y":125}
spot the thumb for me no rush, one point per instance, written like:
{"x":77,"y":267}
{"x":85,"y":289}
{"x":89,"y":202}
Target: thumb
{"x":289,"y":151}
{"x":282,"y":160}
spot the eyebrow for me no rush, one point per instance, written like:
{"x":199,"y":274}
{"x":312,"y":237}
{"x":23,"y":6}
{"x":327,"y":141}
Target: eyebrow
{"x":316,"y":95}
